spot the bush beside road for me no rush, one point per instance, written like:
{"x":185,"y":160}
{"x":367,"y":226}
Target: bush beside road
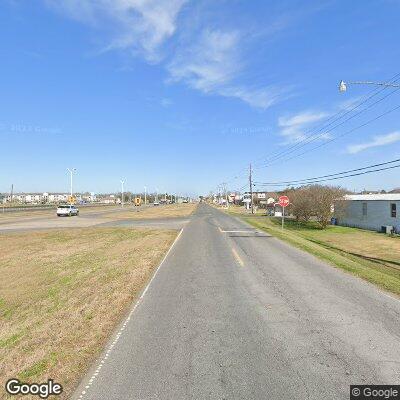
{"x":372,"y":256}
{"x":62,"y":294}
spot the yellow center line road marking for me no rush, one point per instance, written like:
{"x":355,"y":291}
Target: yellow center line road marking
{"x":238,"y":259}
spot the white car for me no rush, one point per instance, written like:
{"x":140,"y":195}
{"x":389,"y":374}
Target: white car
{"x":67,"y":210}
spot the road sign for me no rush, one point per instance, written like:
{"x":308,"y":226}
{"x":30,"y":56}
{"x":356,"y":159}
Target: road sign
{"x":283,"y":201}
{"x":71,"y":199}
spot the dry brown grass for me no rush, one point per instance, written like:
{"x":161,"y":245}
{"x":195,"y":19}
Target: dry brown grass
{"x":362,"y":242}
{"x":9,"y":217}
{"x":162,"y":211}
{"x":63,"y":292}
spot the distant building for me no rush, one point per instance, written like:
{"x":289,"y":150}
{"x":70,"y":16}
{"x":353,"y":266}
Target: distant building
{"x":369,"y":211}
{"x":261,"y":199}
{"x":108,"y":199}
{"x":57,"y":198}
{"x":39,"y":198}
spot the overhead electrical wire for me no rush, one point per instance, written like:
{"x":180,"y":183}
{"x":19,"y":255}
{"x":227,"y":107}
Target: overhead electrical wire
{"x":339,"y":136}
{"x":310,"y":138}
{"x":279,"y":157}
{"x":330,"y":175}
{"x":314,"y":138}
{"x":309,"y":182}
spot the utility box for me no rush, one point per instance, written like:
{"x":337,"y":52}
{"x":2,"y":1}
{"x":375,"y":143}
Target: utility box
{"x":387,"y":229}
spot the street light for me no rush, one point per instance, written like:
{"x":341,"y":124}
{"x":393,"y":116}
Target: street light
{"x":343,"y":85}
{"x":122,"y":191}
{"x":145,"y":195}
{"x":71,"y":172}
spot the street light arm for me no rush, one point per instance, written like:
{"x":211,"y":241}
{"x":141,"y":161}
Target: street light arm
{"x":343,"y":85}
{"x":373,"y":83}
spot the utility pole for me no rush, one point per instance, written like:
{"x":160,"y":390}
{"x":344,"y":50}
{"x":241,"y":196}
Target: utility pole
{"x":145,"y":195}
{"x":122,"y":191}
{"x":226,"y":194}
{"x":251,"y":189}
{"x":12,"y":193}
{"x":71,"y":172}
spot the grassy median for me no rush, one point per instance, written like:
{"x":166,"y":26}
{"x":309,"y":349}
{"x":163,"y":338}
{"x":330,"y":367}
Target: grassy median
{"x":62,"y":294}
{"x":372,"y":256}
{"x":151,"y":212}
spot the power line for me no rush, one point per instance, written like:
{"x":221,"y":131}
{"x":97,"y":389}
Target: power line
{"x":324,"y":125}
{"x":342,"y":135}
{"x":339,"y":177}
{"x":330,"y":175}
{"x":273,"y":161}
{"x":339,"y":136}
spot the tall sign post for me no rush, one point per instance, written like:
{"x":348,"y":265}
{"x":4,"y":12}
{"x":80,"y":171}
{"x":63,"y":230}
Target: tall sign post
{"x":251,"y":189}
{"x":283,"y":202}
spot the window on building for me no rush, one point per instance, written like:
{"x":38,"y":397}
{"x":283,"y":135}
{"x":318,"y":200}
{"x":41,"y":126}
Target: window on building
{"x":393,"y":210}
{"x":364,"y":209}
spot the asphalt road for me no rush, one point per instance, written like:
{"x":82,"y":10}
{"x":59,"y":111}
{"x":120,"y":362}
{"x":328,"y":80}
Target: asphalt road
{"x":237,"y":314}
{"x":87,"y":217}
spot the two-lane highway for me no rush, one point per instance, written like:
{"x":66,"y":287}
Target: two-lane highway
{"x":233,"y":313}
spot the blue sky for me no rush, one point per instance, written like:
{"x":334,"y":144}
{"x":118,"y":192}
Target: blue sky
{"x":181,"y":95}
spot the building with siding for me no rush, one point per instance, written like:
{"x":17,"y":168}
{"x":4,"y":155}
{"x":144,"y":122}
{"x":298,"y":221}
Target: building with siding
{"x":369,"y":211}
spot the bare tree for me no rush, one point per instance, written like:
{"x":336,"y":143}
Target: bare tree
{"x":323,"y":199}
{"x":314,"y":201}
{"x":302,"y":203}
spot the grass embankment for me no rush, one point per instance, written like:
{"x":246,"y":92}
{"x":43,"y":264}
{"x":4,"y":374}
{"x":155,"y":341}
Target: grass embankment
{"x":62,"y":294}
{"x":372,"y":256}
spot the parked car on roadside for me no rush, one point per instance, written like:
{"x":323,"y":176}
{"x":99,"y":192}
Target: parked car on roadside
{"x":67,"y":210}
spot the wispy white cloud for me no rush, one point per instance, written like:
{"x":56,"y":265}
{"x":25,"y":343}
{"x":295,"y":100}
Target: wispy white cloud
{"x":377,"y":141}
{"x":137,"y":25}
{"x":208,"y":64}
{"x":166,"y":102}
{"x":210,"y":61}
{"x":212,"y":65}
{"x":348,"y":104}
{"x":294,"y":128}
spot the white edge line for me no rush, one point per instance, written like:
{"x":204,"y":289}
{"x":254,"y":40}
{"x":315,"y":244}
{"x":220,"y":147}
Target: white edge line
{"x":102,"y":361}
{"x":161,"y":263}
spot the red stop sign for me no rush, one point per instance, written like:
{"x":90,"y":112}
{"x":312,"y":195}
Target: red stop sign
{"x":283,"y":201}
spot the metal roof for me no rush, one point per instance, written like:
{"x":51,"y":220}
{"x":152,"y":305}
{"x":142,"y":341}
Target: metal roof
{"x":380,"y":196}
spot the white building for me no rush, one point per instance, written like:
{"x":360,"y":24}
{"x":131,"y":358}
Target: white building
{"x":57,"y":198}
{"x":108,"y":199}
{"x":369,"y":211}
{"x":37,"y":198}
